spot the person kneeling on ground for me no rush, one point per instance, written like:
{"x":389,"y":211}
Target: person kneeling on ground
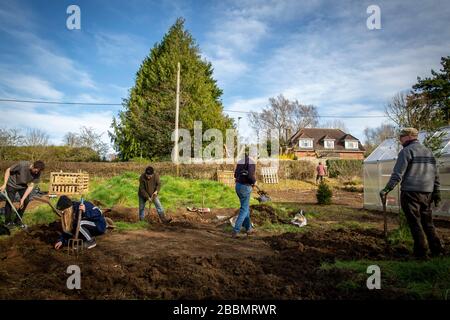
{"x":149,"y":186}
{"x":92,"y":222}
{"x":245,"y":176}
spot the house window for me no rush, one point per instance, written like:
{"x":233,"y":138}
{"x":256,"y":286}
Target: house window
{"x":329,"y":144}
{"x":351,"y":144}
{"x":306,"y":143}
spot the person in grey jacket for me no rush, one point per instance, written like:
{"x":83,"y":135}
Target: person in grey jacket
{"x":417,"y":171}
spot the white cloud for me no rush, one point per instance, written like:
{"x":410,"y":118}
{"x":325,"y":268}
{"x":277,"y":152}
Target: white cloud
{"x":30,"y":87}
{"x":57,"y":124}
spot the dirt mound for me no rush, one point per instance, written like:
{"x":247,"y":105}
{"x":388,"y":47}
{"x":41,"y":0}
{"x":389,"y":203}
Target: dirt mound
{"x":262,"y":213}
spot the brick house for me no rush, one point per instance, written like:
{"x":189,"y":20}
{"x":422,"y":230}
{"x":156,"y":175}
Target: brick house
{"x":325,"y":143}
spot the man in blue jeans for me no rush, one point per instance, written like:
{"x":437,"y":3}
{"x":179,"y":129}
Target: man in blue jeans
{"x":245,"y":176}
{"x":149,"y":186}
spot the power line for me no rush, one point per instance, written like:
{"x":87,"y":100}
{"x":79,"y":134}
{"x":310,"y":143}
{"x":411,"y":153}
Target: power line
{"x":61,"y":102}
{"x":120,"y":104}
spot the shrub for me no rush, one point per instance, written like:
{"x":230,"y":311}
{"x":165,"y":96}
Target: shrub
{"x":324,"y":194}
{"x":345,"y":169}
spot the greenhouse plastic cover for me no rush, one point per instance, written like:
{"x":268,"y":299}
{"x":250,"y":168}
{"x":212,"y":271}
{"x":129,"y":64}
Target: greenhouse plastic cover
{"x":389,"y":149}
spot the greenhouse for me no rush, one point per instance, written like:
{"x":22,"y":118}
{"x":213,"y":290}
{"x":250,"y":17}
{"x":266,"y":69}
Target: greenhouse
{"x":378,"y":168}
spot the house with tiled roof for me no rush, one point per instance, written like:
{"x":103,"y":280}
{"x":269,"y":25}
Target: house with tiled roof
{"x":325,"y":143}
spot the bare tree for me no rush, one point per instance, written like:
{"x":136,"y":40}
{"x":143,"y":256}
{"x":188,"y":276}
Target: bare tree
{"x":89,"y":138}
{"x":36,"y":138}
{"x":412,"y":110}
{"x":335,"y":124}
{"x":10,"y":137}
{"x":72,"y":139}
{"x":283,"y":115}
{"x":375,"y":136}
{"x":304,"y":116}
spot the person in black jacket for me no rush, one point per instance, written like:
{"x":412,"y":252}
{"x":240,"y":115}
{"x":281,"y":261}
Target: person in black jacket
{"x":92,"y":223}
{"x":245,"y":177}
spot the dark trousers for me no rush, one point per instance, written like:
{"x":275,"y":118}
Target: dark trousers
{"x":319,"y":179}
{"x":417,"y":209}
{"x":10,"y":216}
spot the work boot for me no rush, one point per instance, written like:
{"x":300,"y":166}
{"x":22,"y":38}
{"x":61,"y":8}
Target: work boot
{"x":251,"y":231}
{"x":165,"y":220}
{"x":11,"y":225}
{"x":90,"y":244}
{"x":235,"y":235}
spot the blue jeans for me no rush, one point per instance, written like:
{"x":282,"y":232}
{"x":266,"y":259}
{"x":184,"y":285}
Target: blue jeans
{"x":143,"y":201}
{"x":244,"y":192}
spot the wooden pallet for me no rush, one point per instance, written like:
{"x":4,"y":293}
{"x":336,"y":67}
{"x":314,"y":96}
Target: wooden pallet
{"x":270,"y":175}
{"x":226,"y":177}
{"x":68,"y":183}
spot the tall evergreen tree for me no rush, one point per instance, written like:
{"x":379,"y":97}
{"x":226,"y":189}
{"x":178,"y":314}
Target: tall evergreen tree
{"x":144,"y":128}
{"x":436,"y":89}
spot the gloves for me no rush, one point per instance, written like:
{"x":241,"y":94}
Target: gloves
{"x":384,"y":192}
{"x":436,"y":197}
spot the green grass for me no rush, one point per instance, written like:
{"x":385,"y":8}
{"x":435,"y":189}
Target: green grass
{"x":278,"y":228}
{"x":175,"y":192}
{"x":40,"y":215}
{"x":126,"y":226}
{"x":419,"y":279}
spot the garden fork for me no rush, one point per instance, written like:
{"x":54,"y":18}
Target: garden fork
{"x":75,"y":245}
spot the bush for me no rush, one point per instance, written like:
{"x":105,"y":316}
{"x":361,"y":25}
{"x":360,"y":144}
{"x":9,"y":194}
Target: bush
{"x":49,"y":153}
{"x":300,"y":170}
{"x":324,"y":194}
{"x":345,"y":169}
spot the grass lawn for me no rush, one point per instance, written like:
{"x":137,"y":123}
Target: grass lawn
{"x":420,"y":279}
{"x":175,"y":192}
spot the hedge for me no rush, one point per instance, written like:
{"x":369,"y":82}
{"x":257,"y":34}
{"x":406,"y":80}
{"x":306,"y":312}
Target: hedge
{"x":49,"y":153}
{"x":301,"y":170}
{"x":344,"y":168}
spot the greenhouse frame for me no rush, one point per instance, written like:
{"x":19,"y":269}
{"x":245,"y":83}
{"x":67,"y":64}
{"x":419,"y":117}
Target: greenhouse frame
{"x":378,"y":167}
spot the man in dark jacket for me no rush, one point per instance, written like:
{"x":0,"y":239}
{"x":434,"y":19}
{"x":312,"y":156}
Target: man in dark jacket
{"x":92,"y":223}
{"x":245,"y":177}
{"x":417,"y":171}
{"x":20,"y":178}
{"x":149,"y":186}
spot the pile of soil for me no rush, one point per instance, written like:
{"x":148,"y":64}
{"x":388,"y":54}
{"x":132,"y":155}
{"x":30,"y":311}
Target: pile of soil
{"x":262,"y":213}
{"x":191,"y":260}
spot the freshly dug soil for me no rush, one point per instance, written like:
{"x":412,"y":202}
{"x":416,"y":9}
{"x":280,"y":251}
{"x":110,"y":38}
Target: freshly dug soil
{"x":189,"y":259}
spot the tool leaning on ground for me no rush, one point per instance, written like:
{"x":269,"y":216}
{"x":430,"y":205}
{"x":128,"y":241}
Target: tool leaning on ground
{"x":384,"y":201}
{"x":263,"y":195}
{"x":23,"y":225}
{"x":163,"y":218}
{"x":75,"y":244}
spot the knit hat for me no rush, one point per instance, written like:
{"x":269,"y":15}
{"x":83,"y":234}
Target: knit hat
{"x":63,"y":203}
{"x":409,"y":132}
{"x":149,"y":171}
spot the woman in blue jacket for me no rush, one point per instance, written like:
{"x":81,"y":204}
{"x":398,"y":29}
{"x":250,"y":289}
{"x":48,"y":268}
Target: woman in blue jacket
{"x":92,"y":221}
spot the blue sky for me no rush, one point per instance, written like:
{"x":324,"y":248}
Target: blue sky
{"x":319,"y":52}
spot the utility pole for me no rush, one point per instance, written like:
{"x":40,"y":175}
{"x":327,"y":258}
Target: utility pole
{"x":177,"y":112}
{"x":238,"y":141}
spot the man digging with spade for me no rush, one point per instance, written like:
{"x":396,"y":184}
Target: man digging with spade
{"x":92,"y":222}
{"x":20,"y":178}
{"x":149,"y":186}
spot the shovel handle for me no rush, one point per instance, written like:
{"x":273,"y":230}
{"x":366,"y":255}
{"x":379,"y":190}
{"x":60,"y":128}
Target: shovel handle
{"x":384,"y":201}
